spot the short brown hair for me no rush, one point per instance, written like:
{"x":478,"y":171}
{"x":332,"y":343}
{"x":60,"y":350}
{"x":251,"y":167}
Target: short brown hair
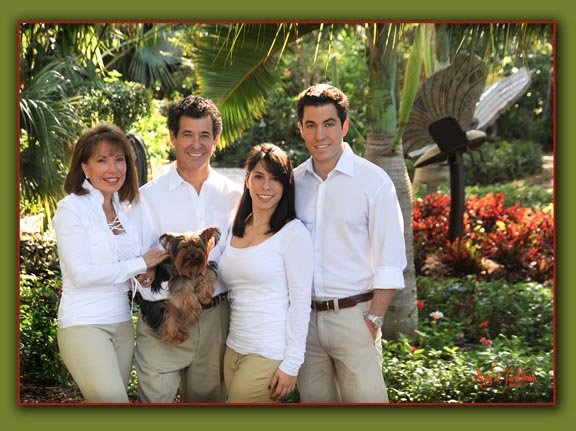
{"x":320,"y":95}
{"x":84,"y":149}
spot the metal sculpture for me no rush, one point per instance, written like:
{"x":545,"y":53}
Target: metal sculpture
{"x":450,"y":115}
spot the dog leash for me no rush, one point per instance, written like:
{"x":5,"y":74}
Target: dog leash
{"x":135,"y":285}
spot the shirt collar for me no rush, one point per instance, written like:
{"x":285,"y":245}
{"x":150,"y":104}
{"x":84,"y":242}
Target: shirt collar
{"x":345,"y":163}
{"x":176,"y":180}
{"x":96,"y":196}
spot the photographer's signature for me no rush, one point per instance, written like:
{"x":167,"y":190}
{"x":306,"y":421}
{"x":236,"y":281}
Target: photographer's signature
{"x":508,"y":378}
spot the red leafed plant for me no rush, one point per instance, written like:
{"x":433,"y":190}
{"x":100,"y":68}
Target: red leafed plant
{"x":498,"y":242}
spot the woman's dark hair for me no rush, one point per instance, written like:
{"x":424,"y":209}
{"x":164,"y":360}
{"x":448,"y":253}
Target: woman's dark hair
{"x":320,"y":95}
{"x":278,"y":164}
{"x":194,"y":107}
{"x":84,"y":149}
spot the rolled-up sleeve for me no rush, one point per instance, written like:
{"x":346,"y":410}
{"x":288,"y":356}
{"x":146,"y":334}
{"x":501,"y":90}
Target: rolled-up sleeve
{"x":386,"y":226}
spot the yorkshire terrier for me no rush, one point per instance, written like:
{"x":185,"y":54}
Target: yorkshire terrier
{"x":191,"y":281}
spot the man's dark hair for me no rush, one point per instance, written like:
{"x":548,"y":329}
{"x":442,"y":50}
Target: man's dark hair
{"x":320,"y":95}
{"x":194,"y":107}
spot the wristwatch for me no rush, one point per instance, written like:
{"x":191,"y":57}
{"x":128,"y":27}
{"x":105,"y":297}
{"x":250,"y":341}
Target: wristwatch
{"x":377,"y":321}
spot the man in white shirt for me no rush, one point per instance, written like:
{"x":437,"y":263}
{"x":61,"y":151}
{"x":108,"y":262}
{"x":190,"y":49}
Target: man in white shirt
{"x":189,"y":197}
{"x":350,"y":207}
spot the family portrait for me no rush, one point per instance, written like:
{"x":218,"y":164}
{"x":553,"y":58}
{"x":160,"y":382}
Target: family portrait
{"x":314,"y":213}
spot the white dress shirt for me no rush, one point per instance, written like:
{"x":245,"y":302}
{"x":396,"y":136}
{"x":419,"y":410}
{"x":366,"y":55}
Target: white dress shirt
{"x":96,"y":265}
{"x":270,"y":293}
{"x":171,"y":204}
{"x":356,"y":224}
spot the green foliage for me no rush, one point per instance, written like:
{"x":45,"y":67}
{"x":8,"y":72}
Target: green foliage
{"x":468,"y":332}
{"x":488,"y":309}
{"x":502,"y":162}
{"x":524,"y":196}
{"x":335,"y":61}
{"x":40,"y":284}
{"x":115,"y":101}
{"x":278,"y":126}
{"x":489,"y":342}
{"x":501,"y":373}
{"x":154,"y":130}
{"x":531,"y":117}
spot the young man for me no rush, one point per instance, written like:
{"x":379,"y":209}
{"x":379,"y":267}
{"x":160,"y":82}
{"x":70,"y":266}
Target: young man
{"x":351,"y":209}
{"x":189,"y":197}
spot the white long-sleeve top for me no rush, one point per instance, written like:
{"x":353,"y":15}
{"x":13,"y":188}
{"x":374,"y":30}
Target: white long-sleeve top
{"x":270,"y":293}
{"x":171,"y":204}
{"x":96,"y":265}
{"x":356,"y":225}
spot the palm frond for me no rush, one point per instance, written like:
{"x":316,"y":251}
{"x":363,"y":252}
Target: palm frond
{"x":236,"y":67}
{"x":48,"y":123}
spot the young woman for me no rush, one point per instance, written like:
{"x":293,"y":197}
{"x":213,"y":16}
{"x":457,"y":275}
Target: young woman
{"x":267,"y":267}
{"x":99,"y":250}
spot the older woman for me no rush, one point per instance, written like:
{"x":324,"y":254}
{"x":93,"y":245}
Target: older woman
{"x":99,"y":250}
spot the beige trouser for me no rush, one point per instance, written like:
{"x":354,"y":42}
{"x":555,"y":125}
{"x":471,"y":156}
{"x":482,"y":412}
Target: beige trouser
{"x":99,"y":358}
{"x":195,"y":365}
{"x":248,"y":377}
{"x":343,"y":363}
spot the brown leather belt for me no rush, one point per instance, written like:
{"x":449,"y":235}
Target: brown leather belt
{"x":215,"y":301}
{"x":336,"y":304}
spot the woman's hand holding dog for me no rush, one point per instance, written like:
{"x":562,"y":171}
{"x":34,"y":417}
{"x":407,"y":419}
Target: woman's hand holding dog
{"x":152,"y":258}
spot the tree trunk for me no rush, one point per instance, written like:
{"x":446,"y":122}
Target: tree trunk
{"x":381,"y":124}
{"x":402,"y":315}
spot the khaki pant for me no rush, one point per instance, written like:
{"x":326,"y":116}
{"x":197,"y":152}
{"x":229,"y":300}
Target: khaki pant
{"x":248,"y":377}
{"x":343,"y":363}
{"x":195,"y":365}
{"x":99,"y":358}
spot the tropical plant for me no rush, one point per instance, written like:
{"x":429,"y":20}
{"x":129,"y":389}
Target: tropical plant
{"x":59,"y":64}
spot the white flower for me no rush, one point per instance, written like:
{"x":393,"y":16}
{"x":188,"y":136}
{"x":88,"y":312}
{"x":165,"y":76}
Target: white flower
{"x":437,"y":315}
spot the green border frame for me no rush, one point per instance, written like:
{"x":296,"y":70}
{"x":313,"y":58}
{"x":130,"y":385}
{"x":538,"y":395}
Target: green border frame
{"x":256,"y":418}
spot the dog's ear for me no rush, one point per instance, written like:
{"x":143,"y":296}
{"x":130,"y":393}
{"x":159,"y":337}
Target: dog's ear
{"x":210,"y":236}
{"x":165,"y":239}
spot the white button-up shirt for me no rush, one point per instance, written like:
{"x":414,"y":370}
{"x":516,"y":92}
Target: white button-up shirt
{"x":171,"y":204}
{"x":356,"y":224}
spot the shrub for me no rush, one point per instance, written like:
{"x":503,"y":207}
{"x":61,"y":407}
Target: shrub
{"x":525,"y":197}
{"x":500,"y":373}
{"x":40,"y":286}
{"x":476,"y":342}
{"x":115,"y":101}
{"x":488,"y":309}
{"x":498,"y":242}
{"x":502,"y":162}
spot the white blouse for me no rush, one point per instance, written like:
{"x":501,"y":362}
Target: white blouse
{"x":270,"y":295}
{"x":96,"y":265}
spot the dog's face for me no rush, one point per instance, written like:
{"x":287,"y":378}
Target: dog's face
{"x":190,"y":251}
